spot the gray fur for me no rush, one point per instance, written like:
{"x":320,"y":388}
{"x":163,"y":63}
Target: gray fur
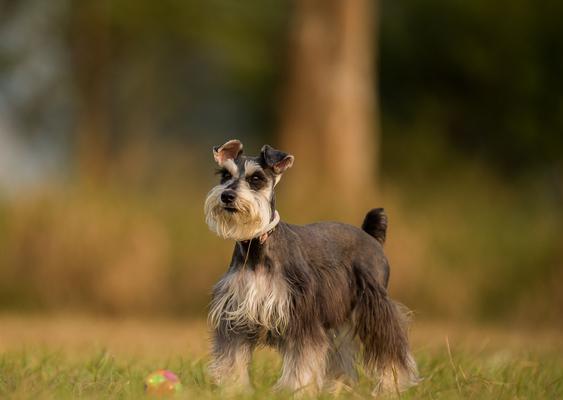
{"x":317,"y":293}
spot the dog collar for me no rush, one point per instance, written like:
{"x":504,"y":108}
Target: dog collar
{"x":270,"y":228}
{"x":267,"y":231}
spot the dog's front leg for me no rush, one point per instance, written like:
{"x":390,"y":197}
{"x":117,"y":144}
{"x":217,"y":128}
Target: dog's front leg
{"x":304,"y":364}
{"x":230,"y":361}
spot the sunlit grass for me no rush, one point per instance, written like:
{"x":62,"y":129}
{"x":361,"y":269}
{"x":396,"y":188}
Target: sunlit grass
{"x":476,"y":363}
{"x":496,"y":376}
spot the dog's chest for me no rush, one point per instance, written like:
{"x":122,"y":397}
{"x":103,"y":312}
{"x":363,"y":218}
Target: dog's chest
{"x":251,"y":298}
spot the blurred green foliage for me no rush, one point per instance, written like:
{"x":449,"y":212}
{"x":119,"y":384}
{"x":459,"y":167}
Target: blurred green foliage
{"x":486,"y":74}
{"x":211,"y":60}
{"x":482,"y":78}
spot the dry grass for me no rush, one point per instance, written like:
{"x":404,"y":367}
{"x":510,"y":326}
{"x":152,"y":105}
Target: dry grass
{"x":87,"y":357}
{"x":476,"y":249}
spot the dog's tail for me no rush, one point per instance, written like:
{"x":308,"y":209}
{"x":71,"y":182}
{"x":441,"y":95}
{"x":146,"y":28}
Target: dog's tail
{"x":375,"y":224}
{"x":381,"y":325}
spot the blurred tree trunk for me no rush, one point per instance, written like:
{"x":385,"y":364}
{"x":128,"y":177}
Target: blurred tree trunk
{"x":330,"y":113}
{"x":90,"y":61}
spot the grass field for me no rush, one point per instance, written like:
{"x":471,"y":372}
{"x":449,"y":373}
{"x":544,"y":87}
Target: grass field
{"x":80,"y":357}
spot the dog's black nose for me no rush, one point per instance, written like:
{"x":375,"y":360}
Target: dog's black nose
{"x":228,"y":196}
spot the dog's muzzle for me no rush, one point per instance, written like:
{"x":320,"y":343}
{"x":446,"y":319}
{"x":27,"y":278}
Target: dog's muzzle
{"x":228,"y":198}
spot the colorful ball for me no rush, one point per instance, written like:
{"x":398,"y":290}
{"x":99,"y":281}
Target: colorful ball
{"x":162,"y":383}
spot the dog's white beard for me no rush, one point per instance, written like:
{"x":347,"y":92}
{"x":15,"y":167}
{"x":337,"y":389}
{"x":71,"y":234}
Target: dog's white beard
{"x":252,"y":216}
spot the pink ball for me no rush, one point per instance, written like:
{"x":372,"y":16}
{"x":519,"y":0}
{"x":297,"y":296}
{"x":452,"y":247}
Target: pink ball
{"x":162,"y":383}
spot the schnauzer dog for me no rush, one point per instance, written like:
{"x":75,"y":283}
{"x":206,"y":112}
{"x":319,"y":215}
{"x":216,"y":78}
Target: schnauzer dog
{"x":316,"y":293}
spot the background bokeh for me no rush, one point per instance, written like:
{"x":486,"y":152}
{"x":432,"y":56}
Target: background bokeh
{"x":447,"y":113}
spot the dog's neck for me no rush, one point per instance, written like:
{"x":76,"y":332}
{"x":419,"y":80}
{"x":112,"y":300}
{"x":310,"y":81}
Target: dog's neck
{"x":265,"y":233}
{"x":253,"y":249}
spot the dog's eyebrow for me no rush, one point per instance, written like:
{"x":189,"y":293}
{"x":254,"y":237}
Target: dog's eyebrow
{"x":230,"y":166}
{"x":250,"y":167}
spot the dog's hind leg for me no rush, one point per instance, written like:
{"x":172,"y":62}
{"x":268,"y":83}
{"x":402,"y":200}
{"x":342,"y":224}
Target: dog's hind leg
{"x":342,"y":355}
{"x":304,"y":364}
{"x":230,"y":361}
{"x":381,"y":325}
{"x":396,"y":378}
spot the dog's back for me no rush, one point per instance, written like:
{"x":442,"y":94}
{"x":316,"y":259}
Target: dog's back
{"x":333,"y":245}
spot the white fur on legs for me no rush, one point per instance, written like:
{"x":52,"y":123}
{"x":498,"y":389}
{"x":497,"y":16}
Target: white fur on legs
{"x":230,"y":364}
{"x":396,"y":379}
{"x":304,"y":366}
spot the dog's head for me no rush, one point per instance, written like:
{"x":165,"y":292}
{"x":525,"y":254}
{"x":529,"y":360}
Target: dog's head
{"x":242,"y":205}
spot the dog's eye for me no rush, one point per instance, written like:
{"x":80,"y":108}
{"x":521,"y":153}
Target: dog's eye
{"x":256,"y":181}
{"x":256,"y":178}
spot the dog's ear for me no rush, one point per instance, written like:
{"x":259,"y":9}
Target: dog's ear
{"x":275,"y":159}
{"x":229,"y":151}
